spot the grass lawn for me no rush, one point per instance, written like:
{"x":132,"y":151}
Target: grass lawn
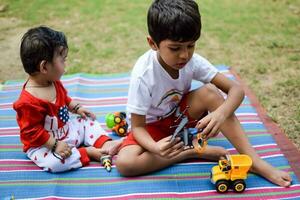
{"x":259,"y":39}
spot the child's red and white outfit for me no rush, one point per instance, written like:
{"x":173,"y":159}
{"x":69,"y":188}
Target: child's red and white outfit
{"x":38,"y":118}
{"x":155,"y":94}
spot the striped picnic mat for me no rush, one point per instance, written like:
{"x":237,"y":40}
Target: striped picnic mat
{"x":21,"y":179}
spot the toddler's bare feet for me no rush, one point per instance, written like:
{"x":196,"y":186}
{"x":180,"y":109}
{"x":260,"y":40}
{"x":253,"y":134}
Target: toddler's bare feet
{"x":272,"y":174}
{"x":112,"y":146}
{"x":212,"y":152}
{"x":95,"y":154}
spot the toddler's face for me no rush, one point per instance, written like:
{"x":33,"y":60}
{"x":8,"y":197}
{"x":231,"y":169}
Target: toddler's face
{"x":58,"y":63}
{"x":175,"y":54}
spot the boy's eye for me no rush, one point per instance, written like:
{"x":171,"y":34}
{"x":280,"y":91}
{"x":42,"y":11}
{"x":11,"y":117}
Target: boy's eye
{"x":174,"y":48}
{"x":191,"y":46}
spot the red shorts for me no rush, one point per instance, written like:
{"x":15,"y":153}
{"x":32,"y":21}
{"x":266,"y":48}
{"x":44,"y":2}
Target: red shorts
{"x":163,"y":128}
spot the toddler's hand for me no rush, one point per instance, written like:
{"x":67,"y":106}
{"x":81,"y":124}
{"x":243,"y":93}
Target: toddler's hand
{"x":83,"y":112}
{"x":210,"y":124}
{"x":63,"y":149}
{"x":168,"y":149}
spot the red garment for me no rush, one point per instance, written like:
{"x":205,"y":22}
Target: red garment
{"x":161,"y":128}
{"x":31,"y":113}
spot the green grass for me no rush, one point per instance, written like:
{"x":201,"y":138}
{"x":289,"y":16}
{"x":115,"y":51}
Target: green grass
{"x":259,"y":39}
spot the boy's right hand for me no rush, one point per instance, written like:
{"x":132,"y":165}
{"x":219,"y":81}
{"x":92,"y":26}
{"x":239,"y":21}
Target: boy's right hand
{"x":63,"y":149}
{"x":167,"y":149}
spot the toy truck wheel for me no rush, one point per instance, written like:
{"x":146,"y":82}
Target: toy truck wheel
{"x":117,"y":120}
{"x":239,"y":186}
{"x":222,"y":186}
{"x":121,"y":131}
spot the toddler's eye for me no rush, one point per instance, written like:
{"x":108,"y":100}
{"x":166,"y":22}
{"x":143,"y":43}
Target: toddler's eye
{"x":191,"y":46}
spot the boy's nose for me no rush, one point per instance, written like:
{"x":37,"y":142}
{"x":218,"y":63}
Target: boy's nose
{"x":184,"y":54}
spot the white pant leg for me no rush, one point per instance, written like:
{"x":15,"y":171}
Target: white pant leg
{"x":92,"y":131}
{"x":75,"y":137}
{"x":80,"y":131}
{"x":44,"y":158}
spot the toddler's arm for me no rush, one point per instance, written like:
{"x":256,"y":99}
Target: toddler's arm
{"x":59,"y":147}
{"x":78,"y":109}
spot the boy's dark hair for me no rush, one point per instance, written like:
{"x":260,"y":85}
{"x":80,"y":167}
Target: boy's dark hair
{"x":39,"y":44}
{"x":177,"y":20}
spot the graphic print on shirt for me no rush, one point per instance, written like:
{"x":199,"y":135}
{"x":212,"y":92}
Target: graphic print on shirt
{"x":63,"y":114}
{"x":171,"y":99}
{"x":51,"y":125}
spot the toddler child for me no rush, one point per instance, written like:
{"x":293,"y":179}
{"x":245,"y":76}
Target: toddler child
{"x":51,"y":139}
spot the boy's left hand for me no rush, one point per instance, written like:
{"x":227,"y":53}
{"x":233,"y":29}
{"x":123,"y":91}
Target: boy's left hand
{"x":210,"y":124}
{"x":83,"y":112}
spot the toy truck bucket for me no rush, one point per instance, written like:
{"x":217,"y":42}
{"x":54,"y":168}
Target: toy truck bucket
{"x":240,"y":165}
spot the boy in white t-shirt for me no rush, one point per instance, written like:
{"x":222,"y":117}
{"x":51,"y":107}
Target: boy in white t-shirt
{"x":160,"y":83}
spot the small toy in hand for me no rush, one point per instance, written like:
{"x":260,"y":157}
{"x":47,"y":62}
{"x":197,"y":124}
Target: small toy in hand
{"x":187,"y":134}
{"x":106,"y":162}
{"x":202,"y":142}
{"x":117,"y":122}
{"x":231,"y":172}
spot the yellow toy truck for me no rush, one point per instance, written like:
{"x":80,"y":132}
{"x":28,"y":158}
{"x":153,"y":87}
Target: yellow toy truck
{"x":231,"y":172}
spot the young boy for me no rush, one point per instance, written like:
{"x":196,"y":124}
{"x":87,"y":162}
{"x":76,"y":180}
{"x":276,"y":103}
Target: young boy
{"x":160,"y":83}
{"x":51,"y":140}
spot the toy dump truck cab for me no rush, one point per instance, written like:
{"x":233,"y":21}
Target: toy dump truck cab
{"x":231,"y":172}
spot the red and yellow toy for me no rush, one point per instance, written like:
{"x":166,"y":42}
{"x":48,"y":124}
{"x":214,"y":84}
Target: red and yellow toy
{"x":117,"y":122}
{"x":106,"y":161}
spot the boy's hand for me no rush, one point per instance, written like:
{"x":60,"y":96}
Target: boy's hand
{"x":83,"y":112}
{"x":167,"y":149}
{"x":63,"y":149}
{"x":210,"y":124}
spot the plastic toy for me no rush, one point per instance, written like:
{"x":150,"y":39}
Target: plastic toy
{"x":231,"y":172}
{"x":117,"y":122}
{"x":106,"y":162}
{"x":187,"y":134}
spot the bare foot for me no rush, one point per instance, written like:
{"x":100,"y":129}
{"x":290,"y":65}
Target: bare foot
{"x":272,"y":174}
{"x":211,"y":152}
{"x":95,"y":154}
{"x":112,"y":146}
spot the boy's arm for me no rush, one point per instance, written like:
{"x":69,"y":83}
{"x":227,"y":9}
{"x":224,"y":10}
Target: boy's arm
{"x":163,"y":147}
{"x":138,"y":123}
{"x":235,"y":94}
{"x":213,"y":121}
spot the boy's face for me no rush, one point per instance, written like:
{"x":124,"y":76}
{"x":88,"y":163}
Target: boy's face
{"x":174,"y":55}
{"x":57,"y":66}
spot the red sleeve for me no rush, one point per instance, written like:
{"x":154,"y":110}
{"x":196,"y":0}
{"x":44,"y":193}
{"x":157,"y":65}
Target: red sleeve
{"x":31,"y":122}
{"x":62,"y":89}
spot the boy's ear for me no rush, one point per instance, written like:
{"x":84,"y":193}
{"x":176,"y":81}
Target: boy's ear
{"x":151,"y":43}
{"x":43,"y":66}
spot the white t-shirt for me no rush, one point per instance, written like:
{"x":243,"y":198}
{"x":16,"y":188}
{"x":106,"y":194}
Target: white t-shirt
{"x":154,"y":93}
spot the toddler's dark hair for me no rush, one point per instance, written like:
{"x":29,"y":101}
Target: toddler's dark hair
{"x":39,"y":44}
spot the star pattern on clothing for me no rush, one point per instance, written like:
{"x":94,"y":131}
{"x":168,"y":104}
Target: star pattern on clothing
{"x":63,"y":114}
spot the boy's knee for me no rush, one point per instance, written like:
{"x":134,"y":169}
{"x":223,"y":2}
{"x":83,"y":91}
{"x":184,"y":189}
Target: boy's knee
{"x":126,"y":166}
{"x":209,"y":93}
